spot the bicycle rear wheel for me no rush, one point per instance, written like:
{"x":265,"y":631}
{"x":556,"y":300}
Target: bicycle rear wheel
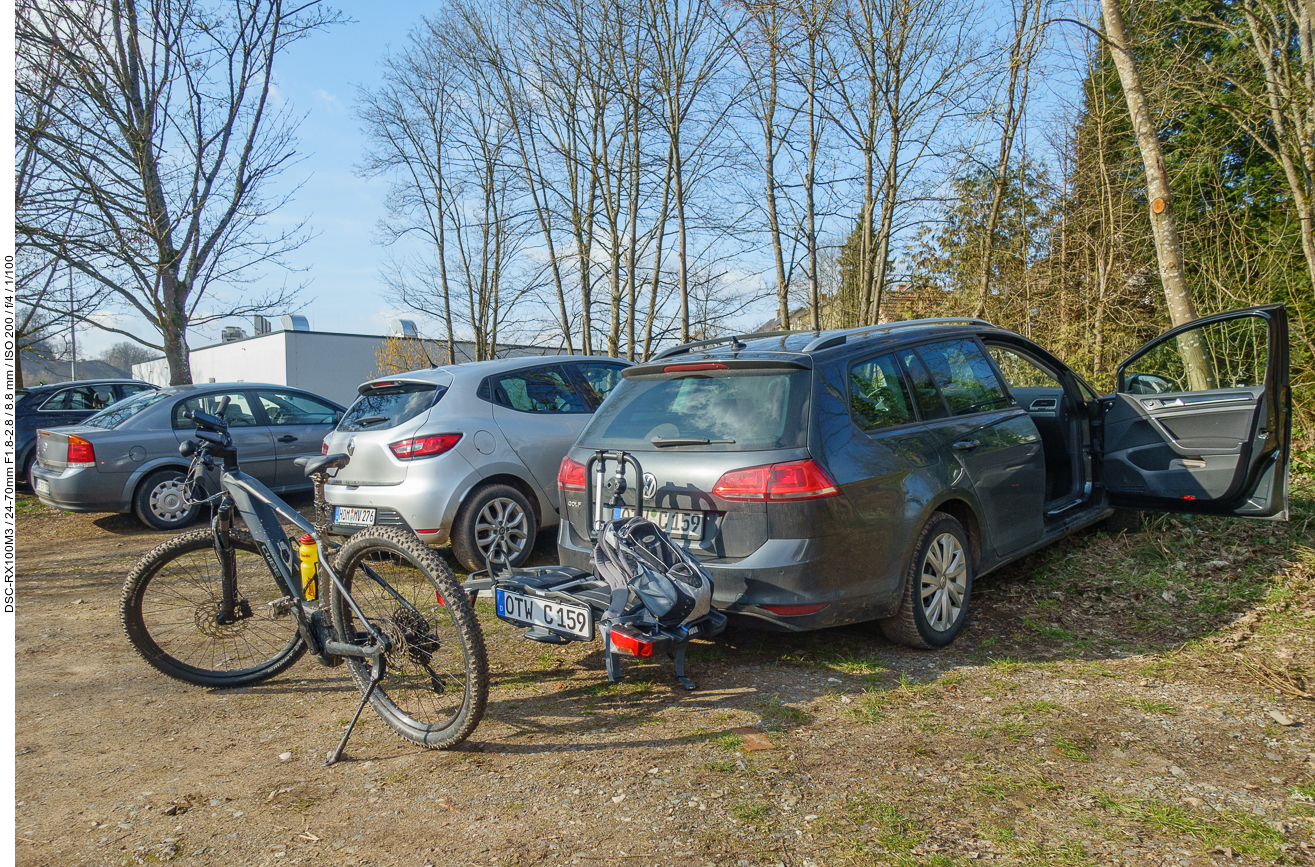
{"x":170,"y":607}
{"x":436,"y":676}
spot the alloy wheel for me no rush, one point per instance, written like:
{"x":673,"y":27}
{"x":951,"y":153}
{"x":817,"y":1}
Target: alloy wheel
{"x":944,"y":582}
{"x":502,"y":530}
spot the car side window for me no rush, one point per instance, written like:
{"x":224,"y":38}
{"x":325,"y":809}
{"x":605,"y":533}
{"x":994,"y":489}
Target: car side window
{"x":1233,"y":353}
{"x":599,"y":379}
{"x":964,"y":375}
{"x":544,"y":390}
{"x":130,"y":390}
{"x":238,"y":414}
{"x":1019,"y":371}
{"x":930,"y":405}
{"x":878,"y":394}
{"x":75,"y":399}
{"x":290,"y":407}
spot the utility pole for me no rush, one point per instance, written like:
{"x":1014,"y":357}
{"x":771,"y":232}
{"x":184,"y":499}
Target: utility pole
{"x":72,"y":331}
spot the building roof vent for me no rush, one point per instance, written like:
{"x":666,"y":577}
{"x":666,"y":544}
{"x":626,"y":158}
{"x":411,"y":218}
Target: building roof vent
{"x":403,"y":328}
{"x":231,"y":333}
{"x":295,"y":322}
{"x":260,"y":325}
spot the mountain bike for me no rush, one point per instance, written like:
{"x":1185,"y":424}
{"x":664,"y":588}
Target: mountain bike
{"x":222,"y":607}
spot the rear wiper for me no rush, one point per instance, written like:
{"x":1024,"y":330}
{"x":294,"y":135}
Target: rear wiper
{"x":369,"y":420}
{"x":687,"y":441}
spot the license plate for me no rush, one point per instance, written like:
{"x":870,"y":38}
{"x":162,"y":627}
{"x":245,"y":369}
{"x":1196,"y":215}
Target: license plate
{"x":677,"y":525}
{"x":571,"y":619}
{"x":358,"y":517}
{"x":42,"y":486}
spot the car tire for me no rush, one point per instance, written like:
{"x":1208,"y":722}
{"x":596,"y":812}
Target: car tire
{"x":937,"y":585}
{"x":1123,"y":521}
{"x":494,"y":515}
{"x":28,"y":464}
{"x":159,"y":501}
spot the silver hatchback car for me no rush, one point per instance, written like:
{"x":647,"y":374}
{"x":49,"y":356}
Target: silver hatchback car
{"x":466,"y":454}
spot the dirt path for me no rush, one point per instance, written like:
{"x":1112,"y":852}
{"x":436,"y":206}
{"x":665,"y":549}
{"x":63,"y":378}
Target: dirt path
{"x":1099,"y":709}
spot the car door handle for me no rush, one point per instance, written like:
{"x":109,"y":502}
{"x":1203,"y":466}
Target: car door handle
{"x":966,"y":445}
{"x":287,"y":438}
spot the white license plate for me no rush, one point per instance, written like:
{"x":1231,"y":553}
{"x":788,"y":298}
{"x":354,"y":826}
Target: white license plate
{"x":677,"y":525}
{"x":42,"y":486}
{"x":572,"y":619}
{"x":358,"y":517}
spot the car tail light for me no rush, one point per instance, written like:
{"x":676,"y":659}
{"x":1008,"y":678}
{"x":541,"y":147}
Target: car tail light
{"x":424,"y":447}
{"x":795,"y":610}
{"x":570,"y":477}
{"x":80,"y":452}
{"x":693,"y":368}
{"x":626,"y":639}
{"x":324,"y":447}
{"x":796,"y":480}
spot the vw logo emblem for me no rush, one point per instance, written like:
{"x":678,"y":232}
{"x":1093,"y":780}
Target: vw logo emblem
{"x":650,"y":486}
{"x":351,"y":447}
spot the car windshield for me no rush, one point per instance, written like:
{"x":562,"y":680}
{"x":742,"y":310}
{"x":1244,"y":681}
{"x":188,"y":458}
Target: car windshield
{"x":741,"y":412}
{"x":388,"y":406}
{"x":116,"y":414}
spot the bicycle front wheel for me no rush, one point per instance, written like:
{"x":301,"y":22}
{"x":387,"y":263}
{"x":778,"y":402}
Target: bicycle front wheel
{"x":171,"y":613}
{"x":436,"y":674}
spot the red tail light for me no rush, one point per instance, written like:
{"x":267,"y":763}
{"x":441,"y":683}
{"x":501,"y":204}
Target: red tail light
{"x":691,"y":368}
{"x":795,"y":610}
{"x":570,"y":477}
{"x":80,"y":452}
{"x":324,"y":447}
{"x":635,"y":645}
{"x":424,"y":447}
{"x":796,"y":480}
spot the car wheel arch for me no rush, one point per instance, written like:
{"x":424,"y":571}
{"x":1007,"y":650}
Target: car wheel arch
{"x":966,"y":515}
{"x":514,"y":481}
{"x":147,"y":469}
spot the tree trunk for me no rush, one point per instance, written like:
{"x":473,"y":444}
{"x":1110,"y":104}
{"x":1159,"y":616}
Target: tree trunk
{"x":1164,"y":228}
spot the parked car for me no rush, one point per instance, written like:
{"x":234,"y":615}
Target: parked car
{"x":126,"y":457}
{"x":466,"y":454}
{"x":842,"y":476}
{"x":59,"y":404}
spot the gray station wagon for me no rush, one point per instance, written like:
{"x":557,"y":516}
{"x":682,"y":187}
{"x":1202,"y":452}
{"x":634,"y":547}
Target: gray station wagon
{"x":871,"y":474}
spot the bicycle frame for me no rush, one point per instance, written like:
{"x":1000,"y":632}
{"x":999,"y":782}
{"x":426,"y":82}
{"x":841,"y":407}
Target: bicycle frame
{"x":261,"y":508}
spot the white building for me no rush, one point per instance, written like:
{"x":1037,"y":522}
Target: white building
{"x":324,"y":362}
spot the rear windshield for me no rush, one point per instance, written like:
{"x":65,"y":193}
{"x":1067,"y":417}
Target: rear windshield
{"x":385,"y":408}
{"x":116,"y":414}
{"x":739,"y":412}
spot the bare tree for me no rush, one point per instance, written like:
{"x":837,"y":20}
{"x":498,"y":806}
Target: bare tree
{"x":164,"y":136}
{"x":1164,"y":228}
{"x":125,"y":354}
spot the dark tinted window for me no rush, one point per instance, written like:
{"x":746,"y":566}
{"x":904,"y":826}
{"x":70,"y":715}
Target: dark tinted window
{"x":125,"y":409}
{"x":290,"y":407}
{"x":85,"y":397}
{"x":964,"y":375}
{"x":540,"y":390}
{"x":385,"y":408}
{"x":930,"y":405}
{"x":599,"y":379}
{"x":878,"y":395}
{"x":753,"y":411}
{"x":131,"y":389}
{"x":238,"y":413}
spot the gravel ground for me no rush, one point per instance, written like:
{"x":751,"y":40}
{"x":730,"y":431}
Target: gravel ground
{"x":1081,"y":718}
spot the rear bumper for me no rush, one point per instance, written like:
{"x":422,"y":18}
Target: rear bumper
{"x":81,"y":489}
{"x":781,"y":572}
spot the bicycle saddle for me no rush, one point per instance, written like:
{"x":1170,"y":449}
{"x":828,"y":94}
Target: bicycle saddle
{"x":322,"y":463}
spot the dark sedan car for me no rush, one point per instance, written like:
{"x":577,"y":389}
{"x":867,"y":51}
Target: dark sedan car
{"x":126,"y":457}
{"x":60,"y":404}
{"x":872,"y":474}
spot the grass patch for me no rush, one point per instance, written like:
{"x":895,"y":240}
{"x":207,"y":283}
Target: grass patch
{"x":1151,"y":705}
{"x":1070,"y":750}
{"x":727,"y":741}
{"x":1247,"y":835}
{"x":722,"y":766}
{"x":752,"y":814}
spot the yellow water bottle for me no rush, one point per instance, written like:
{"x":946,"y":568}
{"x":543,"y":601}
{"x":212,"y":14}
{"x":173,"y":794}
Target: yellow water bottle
{"x":309,"y":566}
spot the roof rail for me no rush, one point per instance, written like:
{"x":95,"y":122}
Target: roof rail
{"x":830,"y":340}
{"x":732,"y":339}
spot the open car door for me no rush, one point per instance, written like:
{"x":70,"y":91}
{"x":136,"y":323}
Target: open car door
{"x":1201,"y":421}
